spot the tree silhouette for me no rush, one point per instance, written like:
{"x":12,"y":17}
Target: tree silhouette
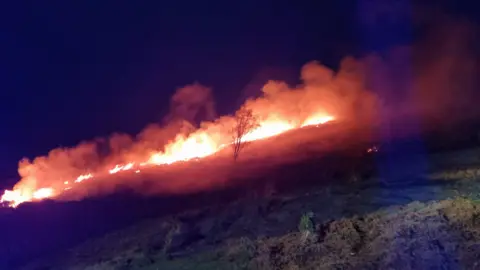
{"x":245,"y":122}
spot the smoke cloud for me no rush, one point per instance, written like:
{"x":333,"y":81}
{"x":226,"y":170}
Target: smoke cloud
{"x":436,"y":78}
{"x":192,"y":103}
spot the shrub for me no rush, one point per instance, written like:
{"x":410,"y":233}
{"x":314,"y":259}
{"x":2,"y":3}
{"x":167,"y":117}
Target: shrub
{"x":307,"y":227}
{"x":306,"y":223}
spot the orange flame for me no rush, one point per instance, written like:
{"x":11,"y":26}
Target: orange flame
{"x":317,"y":120}
{"x":43,"y":193}
{"x":15,"y":197}
{"x":268,"y":129}
{"x":81,"y":178}
{"x":198,"y":145}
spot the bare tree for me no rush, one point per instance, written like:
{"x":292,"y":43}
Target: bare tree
{"x":245,"y":122}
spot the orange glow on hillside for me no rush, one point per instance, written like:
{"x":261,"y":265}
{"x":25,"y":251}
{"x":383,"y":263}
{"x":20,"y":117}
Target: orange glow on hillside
{"x":199,"y":144}
{"x":317,"y":120}
{"x":43,"y":193}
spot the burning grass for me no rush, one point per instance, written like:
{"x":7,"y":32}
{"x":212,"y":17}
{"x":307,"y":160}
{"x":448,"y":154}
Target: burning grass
{"x":323,"y":96}
{"x":183,"y":149}
{"x":320,"y":186}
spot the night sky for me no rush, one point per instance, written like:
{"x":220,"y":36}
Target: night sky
{"x":71,"y":72}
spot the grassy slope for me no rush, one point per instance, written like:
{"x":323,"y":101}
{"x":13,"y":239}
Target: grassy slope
{"x":357,"y":228}
{"x":362,"y":225}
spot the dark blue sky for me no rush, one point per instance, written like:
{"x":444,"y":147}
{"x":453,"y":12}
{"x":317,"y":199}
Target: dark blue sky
{"x":71,"y":72}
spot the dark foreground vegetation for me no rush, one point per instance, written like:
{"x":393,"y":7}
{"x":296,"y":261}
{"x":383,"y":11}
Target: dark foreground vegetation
{"x":354,"y":230}
{"x":415,"y":215}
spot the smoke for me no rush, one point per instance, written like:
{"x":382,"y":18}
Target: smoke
{"x":435,"y":78}
{"x":323,"y":91}
{"x":60,"y":164}
{"x":446,"y":82}
{"x":192,"y":103}
{"x":265,"y":74}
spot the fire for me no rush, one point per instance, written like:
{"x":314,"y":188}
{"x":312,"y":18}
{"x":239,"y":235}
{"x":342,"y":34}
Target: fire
{"x":268,"y":129}
{"x":324,"y":95}
{"x":317,"y":120}
{"x":16,"y":197}
{"x":199,"y":144}
{"x":81,"y":178}
{"x":43,"y":193}
{"x":119,"y":168}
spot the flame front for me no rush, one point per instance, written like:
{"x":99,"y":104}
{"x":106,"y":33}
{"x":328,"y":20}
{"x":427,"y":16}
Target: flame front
{"x":43,"y":193}
{"x":317,"y":120}
{"x":268,"y":129}
{"x":15,"y":197}
{"x":323,"y":96}
{"x":199,"y":144}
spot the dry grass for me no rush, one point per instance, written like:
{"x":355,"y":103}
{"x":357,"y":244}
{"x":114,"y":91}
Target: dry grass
{"x":357,"y":227}
{"x":470,"y":173}
{"x":436,"y":235}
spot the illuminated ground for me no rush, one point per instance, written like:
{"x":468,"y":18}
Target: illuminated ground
{"x":329,"y":177}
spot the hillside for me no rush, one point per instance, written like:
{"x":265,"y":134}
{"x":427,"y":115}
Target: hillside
{"x":356,"y":228}
{"x":333,"y":177}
